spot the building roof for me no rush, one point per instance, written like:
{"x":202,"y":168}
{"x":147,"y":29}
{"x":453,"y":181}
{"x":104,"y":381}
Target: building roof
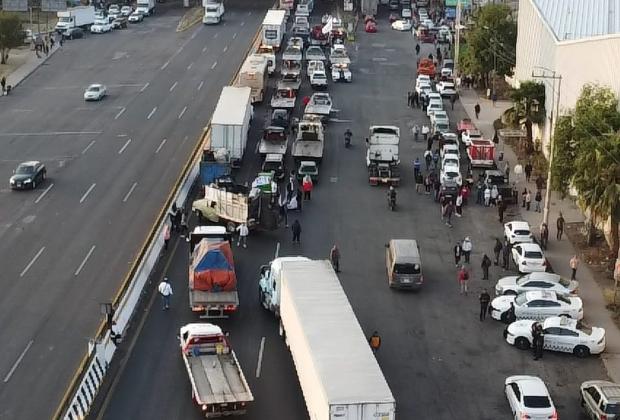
{"x":580,"y":19}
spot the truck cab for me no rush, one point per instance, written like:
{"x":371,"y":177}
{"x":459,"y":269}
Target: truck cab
{"x":382,"y":158}
{"x":268,"y":51}
{"x":269,"y":283}
{"x":213,"y":12}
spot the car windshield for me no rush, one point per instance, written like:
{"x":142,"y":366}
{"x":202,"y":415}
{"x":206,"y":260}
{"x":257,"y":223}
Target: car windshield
{"x":533,"y":254}
{"x":522,"y":232}
{"x":24,"y":170}
{"x":93,"y":89}
{"x":65,"y":19}
{"x":536,"y":401}
{"x":452,"y":174}
{"x":612,"y":408}
{"x":406,"y":268}
{"x":306,"y":169}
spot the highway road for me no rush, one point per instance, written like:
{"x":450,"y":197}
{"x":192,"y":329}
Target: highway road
{"x":66,"y":246}
{"x":439,"y":360}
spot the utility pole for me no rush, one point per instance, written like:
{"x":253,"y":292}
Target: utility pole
{"x":553,"y":119}
{"x":457,"y":43}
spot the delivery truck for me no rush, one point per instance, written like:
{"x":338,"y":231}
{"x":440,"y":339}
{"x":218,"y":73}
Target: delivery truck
{"x":254,"y":74}
{"x":73,"y":17}
{"x":146,"y":7}
{"x":219,"y":387}
{"x":318,"y":323}
{"x":212,"y":277}
{"x":214,"y":11}
{"x":273,"y":28}
{"x":230,"y":124}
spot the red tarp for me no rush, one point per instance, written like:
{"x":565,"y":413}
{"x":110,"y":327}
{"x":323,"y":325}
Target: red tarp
{"x":213,"y":267}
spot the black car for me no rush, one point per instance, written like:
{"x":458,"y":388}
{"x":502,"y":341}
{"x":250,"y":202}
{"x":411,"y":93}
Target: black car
{"x":73,"y":33}
{"x":28,"y":175}
{"x":119,"y":23}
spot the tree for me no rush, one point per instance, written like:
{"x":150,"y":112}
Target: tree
{"x":11,"y":35}
{"x":528,"y":107}
{"x":491,"y":43}
{"x":565,"y":153}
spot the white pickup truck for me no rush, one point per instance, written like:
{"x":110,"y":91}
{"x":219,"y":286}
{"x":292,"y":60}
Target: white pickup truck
{"x":219,"y":387}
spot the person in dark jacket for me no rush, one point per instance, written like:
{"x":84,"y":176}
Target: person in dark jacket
{"x":497,"y":249}
{"x":484,"y":300}
{"x":560,"y":226}
{"x":457,"y":253}
{"x":510,"y":314}
{"x":506,"y":255}
{"x":486,"y":263}
{"x":544,"y":236}
{"x":538,"y":341}
{"x":296,"y":228}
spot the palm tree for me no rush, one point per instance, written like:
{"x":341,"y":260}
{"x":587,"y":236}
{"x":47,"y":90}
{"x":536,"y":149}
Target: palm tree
{"x":528,"y":107}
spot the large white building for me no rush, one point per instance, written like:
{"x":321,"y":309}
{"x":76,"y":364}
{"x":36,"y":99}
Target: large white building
{"x":578,"y":39}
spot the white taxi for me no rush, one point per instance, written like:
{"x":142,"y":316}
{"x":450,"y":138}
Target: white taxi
{"x":537,"y":305}
{"x":529,"y":398}
{"x":560,"y":334}
{"x":513,"y":285}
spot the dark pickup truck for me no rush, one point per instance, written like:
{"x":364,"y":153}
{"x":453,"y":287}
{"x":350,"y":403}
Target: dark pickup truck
{"x":498,"y":178}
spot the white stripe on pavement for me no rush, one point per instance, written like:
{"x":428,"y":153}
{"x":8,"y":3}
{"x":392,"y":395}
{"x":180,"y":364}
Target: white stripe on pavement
{"x":18,"y":361}
{"x":87,"y":192}
{"x":40,"y":197}
{"x":84,"y":260}
{"x":122,"y":149}
{"x":133,"y":187}
{"x":32,"y":261}
{"x":160,"y":145}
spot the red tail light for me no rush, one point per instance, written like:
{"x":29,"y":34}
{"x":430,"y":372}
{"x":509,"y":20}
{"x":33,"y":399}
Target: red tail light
{"x":554,"y":416}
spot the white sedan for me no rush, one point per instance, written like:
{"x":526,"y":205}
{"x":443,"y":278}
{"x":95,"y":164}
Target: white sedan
{"x":513,"y":285}
{"x":470,"y":135}
{"x":517,"y":232}
{"x":446,"y":88}
{"x":450,"y":149}
{"x":126,"y":11}
{"x":135,"y":17}
{"x":560,"y":334}
{"x":450,"y":174}
{"x":537,"y":305}
{"x":95,"y":92}
{"x":529,"y":257}
{"x":402,"y":25}
{"x":101,"y":26}
{"x":529,"y":398}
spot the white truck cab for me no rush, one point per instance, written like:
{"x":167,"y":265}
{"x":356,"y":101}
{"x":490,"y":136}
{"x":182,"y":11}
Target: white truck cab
{"x":214,"y":11}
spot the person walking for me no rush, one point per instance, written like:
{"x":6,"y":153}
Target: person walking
{"x":494,"y":195}
{"x":307,"y":186}
{"x":538,"y":199}
{"x":416,"y":131}
{"x":375,"y":342}
{"x":538,"y":341}
{"x":296,"y":228}
{"x":173,"y":216}
{"x":165,"y":290}
{"x":528,"y":171}
{"x":415,"y":101}
{"x":417,"y":49}
{"x":166,"y":235}
{"x":501,"y":208}
{"x":560,"y":226}
{"x":425,"y":131}
{"x":452,"y":101}
{"x":184,"y":228}
{"x":428,"y":158}
{"x":573,"y":263}
{"x":506,"y":255}
{"x":528,"y":200}
{"x":459,"y":206}
{"x":511,"y":316}
{"x":487,"y":196}
{"x":334,"y":257}
{"x":416,"y":167}
{"x":497,"y":249}
{"x":409,"y":99}
{"x":243,"y":235}
{"x":282,"y":202}
{"x":540,"y":183}
{"x":486,"y":263}
{"x":448,"y":213}
{"x":467,"y":247}
{"x":463,"y":277}
{"x":484,"y":300}
{"x":544,"y":235}
{"x":419,"y":182}
{"x":477,"y":110}
{"x":458,"y":252}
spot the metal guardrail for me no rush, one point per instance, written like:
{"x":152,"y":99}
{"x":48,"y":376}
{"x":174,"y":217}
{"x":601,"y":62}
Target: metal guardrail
{"x":88,"y":377}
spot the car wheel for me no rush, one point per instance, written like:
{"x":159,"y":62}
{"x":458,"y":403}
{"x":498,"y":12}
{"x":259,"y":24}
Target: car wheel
{"x":581,"y":351}
{"x":522,"y":343}
{"x":44,"y":176}
{"x":34,"y":184}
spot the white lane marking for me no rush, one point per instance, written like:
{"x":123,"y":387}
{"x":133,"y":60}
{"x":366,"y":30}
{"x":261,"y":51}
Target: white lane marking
{"x":235,"y":35}
{"x":182,"y":112}
{"x":260,"y":357}
{"x":225,"y":49}
{"x":165,"y":65}
{"x":173,"y":86}
{"x":17,"y":362}
{"x":216,"y":35}
{"x":92,"y":248}
{"x":379,"y":59}
{"x":204,"y":49}
{"x":122,"y":149}
{"x":119,"y":113}
{"x":243,"y":23}
{"x":190,"y":66}
{"x":87,"y":192}
{"x":151,"y":113}
{"x":160,"y":145}
{"x":133,"y":187}
{"x":200,"y":85}
{"x":40,"y":197}
{"x":145,"y":86}
{"x":213,"y":66}
{"x":194,"y":35}
{"x":53,"y":133}
{"x":121,"y":135}
{"x":32,"y":261}
{"x":88,"y":147}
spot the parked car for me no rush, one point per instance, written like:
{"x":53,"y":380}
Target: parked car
{"x":406,"y":13}
{"x":28,"y":175}
{"x":119,"y":23}
{"x":126,"y":11}
{"x":561,"y":334}
{"x":95,"y":92}
{"x":73,"y":33}
{"x":513,"y":285}
{"x":537,"y":305}
{"x":402,"y":25}
{"x":135,"y":17}
{"x":517,"y":232}
{"x":600,"y":400}
{"x":529,"y":257}
{"x":446,"y":89}
{"x":529,"y":398}
{"x":100,"y":27}
{"x":450,"y":174}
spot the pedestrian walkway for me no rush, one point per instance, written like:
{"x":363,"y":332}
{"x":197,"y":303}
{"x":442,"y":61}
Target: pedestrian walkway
{"x":20,"y":74}
{"x":558,"y":252}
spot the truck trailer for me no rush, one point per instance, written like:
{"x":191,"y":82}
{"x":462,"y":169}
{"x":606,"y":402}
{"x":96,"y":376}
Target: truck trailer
{"x":73,"y":17}
{"x":231,"y":122}
{"x":254,"y":74}
{"x":339,"y":376}
{"x":273,"y":28}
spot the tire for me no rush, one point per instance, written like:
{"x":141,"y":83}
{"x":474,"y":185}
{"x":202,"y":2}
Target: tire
{"x":522,"y":343}
{"x":581,"y":351}
{"x":44,"y":176}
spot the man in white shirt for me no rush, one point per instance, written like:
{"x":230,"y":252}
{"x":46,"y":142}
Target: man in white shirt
{"x":165,"y":289}
{"x":243,"y":235}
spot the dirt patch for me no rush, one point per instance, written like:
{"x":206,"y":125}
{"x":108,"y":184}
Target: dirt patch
{"x":17,"y":58}
{"x":191,"y":17}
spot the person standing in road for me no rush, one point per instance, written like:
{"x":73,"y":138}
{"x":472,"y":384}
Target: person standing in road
{"x":416,"y":167}
{"x":459,"y":206}
{"x":467,"y":246}
{"x":457,"y":254}
{"x":511,"y":316}
{"x":452,"y":101}
{"x":184,"y":227}
{"x":497,"y":249}
{"x":425,"y":131}
{"x":574,"y":263}
{"x":486,"y":263}
{"x":307,"y":186}
{"x":296,"y":228}
{"x":538,"y":199}
{"x":487,"y":196}
{"x":538,"y":341}
{"x":428,"y":158}
{"x":375,"y":342}
{"x":416,"y":132}
{"x":540,"y":183}
{"x":528,"y":200}
{"x":560,"y":226}
{"x":243,"y":235}
{"x":409,"y":99}
{"x":484,"y":300}
{"x":544,"y":236}
{"x":173,"y":216}
{"x":419,"y":182}
{"x":283,"y":209}
{"x":448,"y":213}
{"x":463,"y":277}
{"x":501,"y":208}
{"x":165,"y":290}
{"x":166,"y":235}
{"x":417,"y":49}
{"x":528,"y":171}
{"x":477,"y":110}
{"x":334,"y":257}
{"x":506,"y":255}
{"x":415,"y":101}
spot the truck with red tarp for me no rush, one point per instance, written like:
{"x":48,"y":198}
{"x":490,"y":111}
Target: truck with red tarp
{"x":212,"y":278}
{"x":427,"y":67}
{"x":481,"y":154}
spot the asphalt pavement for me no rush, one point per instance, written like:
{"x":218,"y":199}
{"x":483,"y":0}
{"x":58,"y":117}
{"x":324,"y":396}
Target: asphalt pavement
{"x":66,"y":246}
{"x":440,"y":361}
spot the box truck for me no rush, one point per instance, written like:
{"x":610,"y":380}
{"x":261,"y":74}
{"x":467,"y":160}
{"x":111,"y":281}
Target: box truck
{"x":146,"y":7}
{"x":230,"y":123}
{"x":214,"y":11}
{"x":254,"y":74}
{"x":273,"y":28}
{"x":79,"y":16}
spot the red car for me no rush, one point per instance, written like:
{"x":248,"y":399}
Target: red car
{"x":371,"y":27}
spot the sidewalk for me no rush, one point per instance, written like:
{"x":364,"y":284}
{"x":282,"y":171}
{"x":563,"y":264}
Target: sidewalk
{"x":558,"y":252}
{"x":21,"y":73}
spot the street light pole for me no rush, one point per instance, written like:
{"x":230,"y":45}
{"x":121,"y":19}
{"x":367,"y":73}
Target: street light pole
{"x":457,"y":43}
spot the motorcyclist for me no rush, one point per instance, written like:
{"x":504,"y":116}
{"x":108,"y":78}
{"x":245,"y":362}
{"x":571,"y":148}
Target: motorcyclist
{"x":392,"y":195}
{"x":347,"y":137}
